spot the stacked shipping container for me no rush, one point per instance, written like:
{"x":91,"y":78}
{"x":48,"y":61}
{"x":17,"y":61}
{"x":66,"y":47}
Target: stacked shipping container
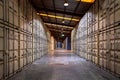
{"x":22,"y":36}
{"x":98,"y":35}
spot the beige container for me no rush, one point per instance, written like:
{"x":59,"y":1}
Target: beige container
{"x":1,"y":10}
{"x":29,"y":58}
{"x":21,"y":57}
{"x":16,"y":19}
{"x":24,"y":59}
{"x":22,"y":25}
{"x":96,"y":62}
{"x":112,"y":65}
{"x":11,"y":17}
{"x":16,"y":65}
{"x":117,"y":11}
{"x":11,"y":62}
{"x":117,"y":67}
{"x":1,"y":43}
{"x":1,"y":31}
{"x":16,"y":44}
{"x":93,"y":57}
{"x":21,"y":62}
{"x":104,"y":63}
{"x":101,"y":62}
{"x":1,"y":71}
{"x":11,"y":67}
{"x":111,"y":18}
{"x":21,"y":44}
{"x":1,"y":65}
{"x":16,"y":57}
{"x":11,"y":44}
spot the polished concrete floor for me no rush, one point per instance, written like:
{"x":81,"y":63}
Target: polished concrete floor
{"x":62,"y":65}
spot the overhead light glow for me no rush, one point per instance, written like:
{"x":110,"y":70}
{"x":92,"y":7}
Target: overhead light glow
{"x":63,"y":35}
{"x":87,"y":1}
{"x":63,"y":21}
{"x":59,"y":17}
{"x":66,"y":4}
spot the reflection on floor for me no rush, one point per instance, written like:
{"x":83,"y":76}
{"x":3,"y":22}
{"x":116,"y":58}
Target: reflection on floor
{"x":62,"y":65}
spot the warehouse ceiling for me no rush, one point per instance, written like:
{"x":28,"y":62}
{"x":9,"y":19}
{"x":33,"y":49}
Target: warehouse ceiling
{"x":60,"y":19}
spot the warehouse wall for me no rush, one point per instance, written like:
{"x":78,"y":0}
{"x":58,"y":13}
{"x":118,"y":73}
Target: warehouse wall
{"x":22,"y":36}
{"x":98,"y":35}
{"x":73,"y":39}
{"x":59,"y":44}
{"x":67,"y":43}
{"x":52,"y":43}
{"x":64,"y":44}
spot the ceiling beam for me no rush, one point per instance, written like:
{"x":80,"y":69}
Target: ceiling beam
{"x":58,"y":17}
{"x":61,"y":12}
{"x":59,"y":28}
{"x":59,"y":24}
{"x":60,"y":37}
{"x":58,"y":34}
{"x":60,"y":31}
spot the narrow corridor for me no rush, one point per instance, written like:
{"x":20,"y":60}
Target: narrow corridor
{"x":62,"y":65}
{"x":59,"y":39}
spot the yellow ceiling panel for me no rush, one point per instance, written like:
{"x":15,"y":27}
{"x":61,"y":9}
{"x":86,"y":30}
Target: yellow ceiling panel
{"x":88,"y":1}
{"x":59,"y":17}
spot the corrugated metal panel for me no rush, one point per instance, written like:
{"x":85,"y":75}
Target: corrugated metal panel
{"x":22,"y":36}
{"x":102,"y":35}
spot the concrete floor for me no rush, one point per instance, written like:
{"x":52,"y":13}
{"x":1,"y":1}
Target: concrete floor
{"x":62,"y":65}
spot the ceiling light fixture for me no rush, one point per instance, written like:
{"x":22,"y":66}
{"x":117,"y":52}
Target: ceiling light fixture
{"x":59,"y":17}
{"x":63,"y":35}
{"x":66,"y":3}
{"x":87,"y":1}
{"x":63,"y":21}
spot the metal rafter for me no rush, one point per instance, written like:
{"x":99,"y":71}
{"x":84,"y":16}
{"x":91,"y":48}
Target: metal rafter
{"x":54,"y":32}
{"x":59,"y":31}
{"x":62,"y":12}
{"x":59,"y":35}
{"x":54,"y":27}
{"x":71,"y":26}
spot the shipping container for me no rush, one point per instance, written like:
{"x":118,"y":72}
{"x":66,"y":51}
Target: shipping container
{"x":102,"y":28}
